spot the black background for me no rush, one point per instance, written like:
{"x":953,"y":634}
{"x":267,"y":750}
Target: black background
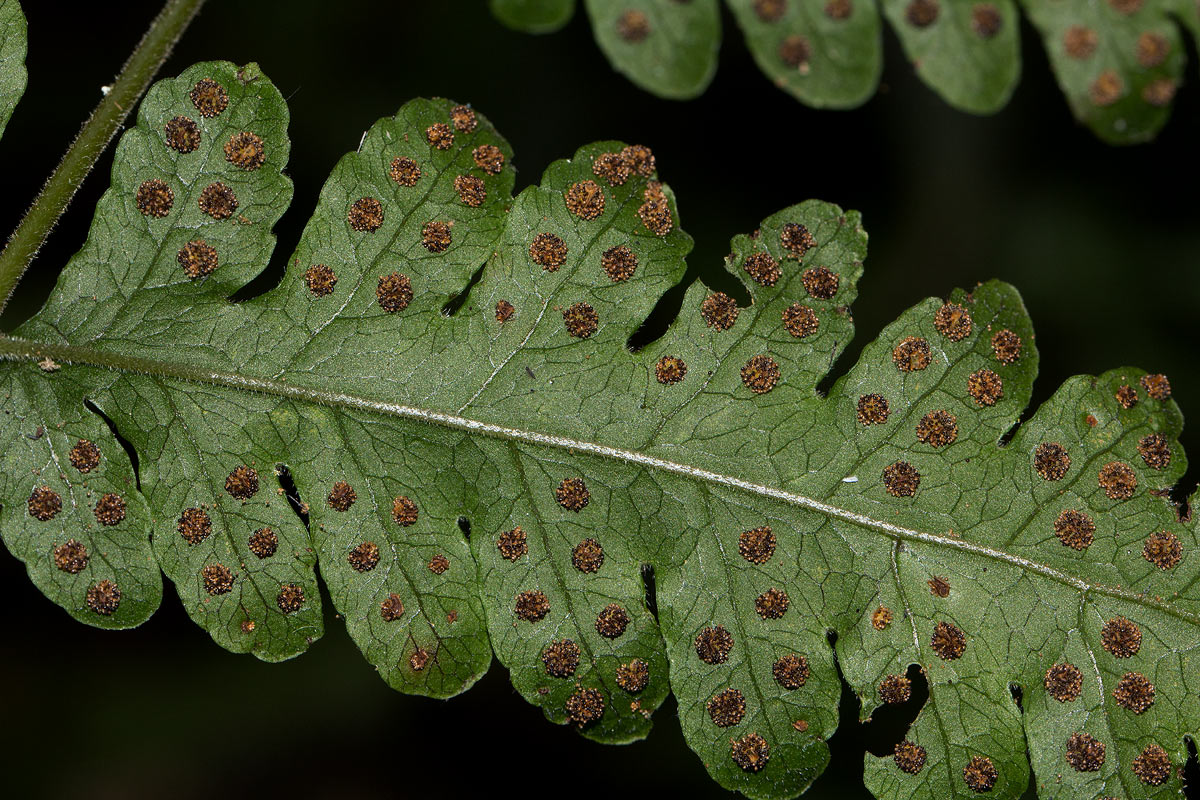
{"x":1103,"y":242}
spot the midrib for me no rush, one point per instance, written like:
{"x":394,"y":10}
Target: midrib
{"x":15,"y":349}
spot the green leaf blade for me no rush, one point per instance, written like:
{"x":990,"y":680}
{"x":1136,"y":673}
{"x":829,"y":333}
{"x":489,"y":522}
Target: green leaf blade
{"x":13,"y":46}
{"x":533,"y":16}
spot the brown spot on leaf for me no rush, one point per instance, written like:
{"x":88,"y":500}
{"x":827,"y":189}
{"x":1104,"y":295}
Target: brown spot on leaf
{"x":217,"y":579}
{"x":949,"y":642}
{"x":670,"y":370}
{"x":985,"y":386}
{"x":585,"y":706}
{"x":242,"y":482}
{"x":585,"y":199}
{"x":1134,"y":692}
{"x":218,"y":201}
{"x":986,"y":20}
{"x":1152,"y":49}
{"x":512,"y":544}
{"x":419,"y":659}
{"x":572,"y":494}
{"x":463,"y":119}
{"x":1163,"y":550}
{"x":1157,"y":386}
{"x":209,"y":97}
{"x":757,"y":545}
{"x":911,"y":355}
{"x":901,"y":479}
{"x":44,"y":503}
{"x":504,"y":311}
{"x":71,"y":556}
{"x":1118,"y":480}
{"x":770,"y":10}
{"x":320,"y":280}
{"x":1051,"y":461}
{"x":1127,"y":396}
{"x":1080,"y":42}
{"x":751,"y":752}
{"x":895,"y":689}
{"x":489,"y":158}
{"x":155,"y":198}
{"x":581,"y":320}
{"x":655,"y":212}
{"x":197,"y":258}
{"x":103,"y":598}
{"x":619,"y":263}
{"x":713,"y":644}
{"x":634,"y":676}
{"x":471,"y":190}
{"x":1107,"y":88}
{"x":612,"y":168}
{"x":820,"y":282}
{"x":1006,"y":346}
{"x":1075,"y":529}
{"x":1153,"y":766}
{"x":881,"y":618}
{"x":561,"y":658}
{"x":939,"y":586}
{"x":405,"y":171}
{"x":726,"y":708}
{"x":364,"y":557}
{"x":183,"y":134}
{"x":341,"y":497}
{"x":1085,"y":753}
{"x":796,"y":239}
{"x":633,"y":26}
{"x":922,"y":13}
{"x":979,"y":774}
{"x":1064,"y":682}
{"x":588,"y":556}
{"x":762,"y":268}
{"x":439,"y":564}
{"x":1155,"y":451}
{"x":719,"y":311}
{"x":392,"y":608}
{"x":85,"y":456}
{"x":800,"y":320}
{"x":110,"y":509}
{"x":531,"y":605}
{"x":1121,"y":637}
{"x":1126,"y":7}
{"x":612,"y":621}
{"x":953,"y":321}
{"x":1160,"y":92}
{"x":548,"y":251}
{"x":791,"y":671}
{"x":404,"y":511}
{"x":194,"y":525}
{"x":245,"y":151}
{"x":909,"y":757}
{"x":872,"y":409}
{"x":435,"y":236}
{"x":290,"y":598}
{"x":794,"y":51}
{"x":263,"y":542}
{"x":640,"y":159}
{"x":394,"y":292}
{"x":760,"y":374}
{"x":937,"y":428}
{"x":439,"y":136}
{"x":772,"y":604}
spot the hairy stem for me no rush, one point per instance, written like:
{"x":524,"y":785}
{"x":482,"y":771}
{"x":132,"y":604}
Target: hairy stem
{"x":92,"y":140}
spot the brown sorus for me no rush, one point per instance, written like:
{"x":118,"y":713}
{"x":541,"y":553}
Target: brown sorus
{"x":1126,"y":6}
{"x":986,"y":20}
{"x":639,"y":158}
{"x":110,"y":509}
{"x":245,"y":151}
{"x":634,"y":676}
{"x":341,"y":496}
{"x":909,"y":757}
{"x":588,"y":556}
{"x":405,"y":171}
{"x":1127,"y":396}
{"x":561,"y":659}
{"x":512,"y":544}
{"x":463,"y":118}
{"x":548,"y":251}
{"x":531,"y":605}
{"x":439,"y":136}
{"x":772,"y":604}
{"x":183,"y":134}
{"x":872,"y":409}
{"x":581,"y":320}
{"x":1160,"y":91}
{"x":365,"y":215}
{"x":719,"y":311}
{"x":980,"y":774}
{"x":953,"y":321}
{"x":585,"y":706}
{"x":489,"y":158}
{"x":1155,"y":451}
{"x":790,"y":671}
{"x":820,"y":282}
{"x":1051,"y":461}
{"x":922,"y":13}
{"x":670,"y":370}
{"x":44,"y":503}
{"x":1107,"y":88}
{"x":1006,"y":346}
{"x":760,"y":374}
{"x":1157,"y":386}
{"x":939,"y":586}
{"x":901,"y":479}
{"x":242,"y":482}
{"x":155,"y":198}
{"x":655,"y":213}
{"x":394,"y":292}
{"x":404,"y":511}
{"x":85,"y":456}
{"x":1075,"y":529}
{"x":1064,"y":682}
{"x":585,"y":199}
{"x":612,"y":168}
{"x":103,"y":598}
{"x":197,"y":258}
{"x":895,"y":689}
{"x":881,"y":618}
{"x":218,"y":201}
{"x":1134,"y":692}
{"x":770,"y":10}
{"x":504,"y":310}
{"x":418,"y":660}
{"x":71,"y":557}
{"x":751,"y":752}
{"x":1152,"y":49}
{"x":795,"y":50}
{"x":612,"y":621}
{"x":757,"y":545}
{"x":713,"y":644}
{"x":800,"y":320}
{"x":392,"y":608}
{"x":471,"y":190}
{"x":1153,"y":766}
{"x":796,"y":239}
{"x":619,"y":263}
{"x":937,"y":428}
{"x":364,"y":557}
{"x":911,"y":355}
{"x":263,"y":542}
{"x":217,"y":579}
{"x":762,"y":267}
{"x":633,"y":26}
{"x":949,"y":642}
{"x":1080,"y":42}
{"x":1163,"y":549}
{"x":1118,"y":480}
{"x":726,"y":708}
{"x":209,"y":97}
{"x":985,"y":386}
{"x":320,"y":280}
{"x":572,"y":494}
{"x":435,"y":236}
{"x":290,"y":598}
{"x":1121,"y":638}
{"x":438,"y":564}
{"x":194,"y":525}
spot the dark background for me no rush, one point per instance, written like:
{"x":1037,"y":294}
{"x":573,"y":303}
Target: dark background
{"x":1103,"y":242}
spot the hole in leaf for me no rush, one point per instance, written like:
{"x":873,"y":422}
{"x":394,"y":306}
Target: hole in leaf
{"x":1191,"y":770}
{"x":1018,"y":695}
{"x":889,"y":724}
{"x":451,"y":307}
{"x":125,"y":445}
{"x":292,"y":493}
{"x":464,"y":525}
{"x":649,"y":584}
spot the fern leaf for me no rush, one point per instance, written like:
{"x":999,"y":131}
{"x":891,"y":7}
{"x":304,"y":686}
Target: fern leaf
{"x":13,"y":43}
